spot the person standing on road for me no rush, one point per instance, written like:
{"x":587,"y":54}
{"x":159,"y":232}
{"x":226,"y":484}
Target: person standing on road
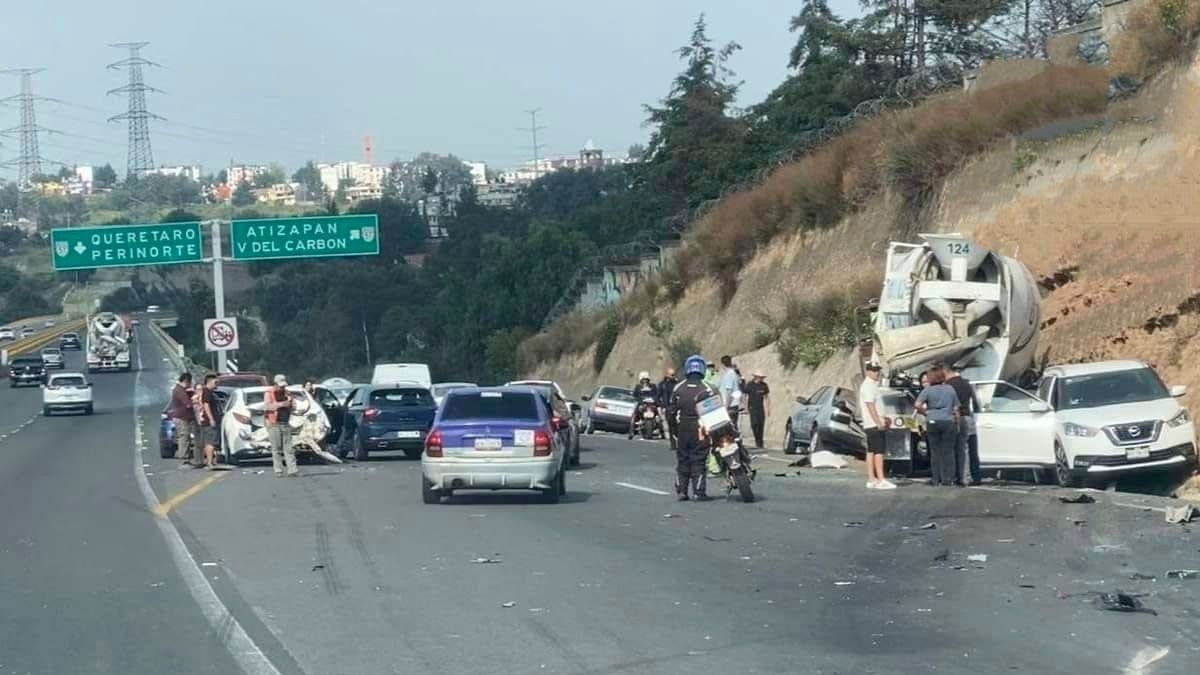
{"x":758,"y":403}
{"x":206,"y":425}
{"x":939,"y":403}
{"x":710,"y":375}
{"x":691,"y":451}
{"x":875,"y":424}
{"x":730,"y":389}
{"x":278,"y":407}
{"x":966,"y":455}
{"x":183,"y":416}
{"x":666,"y":387}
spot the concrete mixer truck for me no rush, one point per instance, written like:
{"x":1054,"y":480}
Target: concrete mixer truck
{"x":952,"y":301}
{"x":108,"y":339}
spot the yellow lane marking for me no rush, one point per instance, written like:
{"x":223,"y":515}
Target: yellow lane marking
{"x":167,"y":506}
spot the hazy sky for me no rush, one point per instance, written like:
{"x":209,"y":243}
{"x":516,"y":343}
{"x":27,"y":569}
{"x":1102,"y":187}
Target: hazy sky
{"x":267,"y":80}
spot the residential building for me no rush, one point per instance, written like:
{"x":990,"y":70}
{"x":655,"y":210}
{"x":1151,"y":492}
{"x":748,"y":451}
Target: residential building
{"x":498,"y":195}
{"x":360,"y":173}
{"x":364,"y":191}
{"x":478,"y":173}
{"x":279,"y":194}
{"x":192,"y":172}
{"x":244,"y":172}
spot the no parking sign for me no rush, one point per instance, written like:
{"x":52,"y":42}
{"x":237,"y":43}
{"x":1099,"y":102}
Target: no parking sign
{"x":220,"y":335}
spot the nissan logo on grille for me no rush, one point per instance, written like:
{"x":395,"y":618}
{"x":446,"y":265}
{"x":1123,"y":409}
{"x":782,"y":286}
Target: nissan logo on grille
{"x":1134,"y":430}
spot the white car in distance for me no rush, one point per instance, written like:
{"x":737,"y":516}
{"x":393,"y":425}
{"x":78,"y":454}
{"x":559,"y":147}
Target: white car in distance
{"x":1088,"y":421}
{"x":8,"y":333}
{"x":66,"y":392}
{"x":243,"y":424}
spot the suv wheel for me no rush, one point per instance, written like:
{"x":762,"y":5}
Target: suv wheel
{"x":789,"y":440}
{"x":428,"y":494}
{"x":1062,"y":470}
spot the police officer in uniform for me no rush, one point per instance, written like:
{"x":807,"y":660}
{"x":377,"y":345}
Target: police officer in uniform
{"x":691,"y":451}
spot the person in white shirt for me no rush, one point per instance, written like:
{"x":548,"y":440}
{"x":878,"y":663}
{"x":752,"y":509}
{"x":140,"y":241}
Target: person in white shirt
{"x":730,"y":389}
{"x":874,"y":424}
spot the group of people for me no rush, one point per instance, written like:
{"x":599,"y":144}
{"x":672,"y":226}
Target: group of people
{"x":196,"y":416}
{"x":754,"y":396}
{"x":947,"y":404}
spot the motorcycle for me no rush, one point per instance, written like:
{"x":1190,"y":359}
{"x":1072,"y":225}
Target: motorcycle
{"x":726,"y":446}
{"x":650,"y":423}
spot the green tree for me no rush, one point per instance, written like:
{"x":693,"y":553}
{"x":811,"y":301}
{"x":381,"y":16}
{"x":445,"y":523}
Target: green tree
{"x":310,"y":177}
{"x":104,"y":177}
{"x":695,"y":139}
{"x":242,"y":195}
{"x":274,"y":175}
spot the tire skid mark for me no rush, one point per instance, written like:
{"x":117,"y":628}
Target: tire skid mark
{"x":333,"y":584}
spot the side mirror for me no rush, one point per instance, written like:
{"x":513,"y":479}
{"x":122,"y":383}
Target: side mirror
{"x":1179,"y":391}
{"x":801,"y":400}
{"x":1039,"y":407}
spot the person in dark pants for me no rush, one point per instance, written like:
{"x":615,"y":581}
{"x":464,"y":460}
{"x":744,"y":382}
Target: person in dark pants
{"x":966,"y":454}
{"x":691,"y":451}
{"x":666,"y":388}
{"x":758,"y":404}
{"x":939,"y":403}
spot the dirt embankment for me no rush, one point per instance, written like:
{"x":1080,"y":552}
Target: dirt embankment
{"x":1107,"y":211}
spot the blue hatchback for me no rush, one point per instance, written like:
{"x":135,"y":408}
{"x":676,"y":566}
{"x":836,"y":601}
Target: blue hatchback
{"x":386,"y":418}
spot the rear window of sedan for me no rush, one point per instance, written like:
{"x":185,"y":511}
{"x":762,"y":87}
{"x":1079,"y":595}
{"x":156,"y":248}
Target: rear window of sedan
{"x":615,"y":394}
{"x":491,"y":405}
{"x":68,"y":381}
{"x":400,"y":397}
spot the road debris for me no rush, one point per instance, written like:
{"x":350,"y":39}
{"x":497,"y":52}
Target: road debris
{"x":1183,"y":574}
{"x":1026,"y":586}
{"x":1177,"y":515}
{"x":318,"y":566}
{"x":943,"y":556}
{"x":853,"y":523}
{"x":1107,"y":548}
{"x":208,"y":564}
{"x":1123,"y":602}
{"x":824,"y":459}
{"x":486,"y":561}
{"x":977,"y":557}
{"x":843,"y":583}
{"x":781,"y":475}
{"x":509,"y":605}
{"x":1005,"y":541}
{"x":1081,"y":498}
{"x":1138,"y":576}
{"x":1078,"y":523}
{"x":718,"y":539}
{"x":928,"y":526}
{"x":671,"y":515}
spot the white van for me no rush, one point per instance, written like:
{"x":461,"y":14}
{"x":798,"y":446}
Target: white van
{"x":402,"y":373}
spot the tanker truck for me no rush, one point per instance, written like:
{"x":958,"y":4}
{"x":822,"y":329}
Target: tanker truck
{"x":107,"y":343}
{"x":951,"y":301}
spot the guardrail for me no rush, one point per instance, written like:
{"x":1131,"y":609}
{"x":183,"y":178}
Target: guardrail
{"x":26,"y":345}
{"x":173,"y":350}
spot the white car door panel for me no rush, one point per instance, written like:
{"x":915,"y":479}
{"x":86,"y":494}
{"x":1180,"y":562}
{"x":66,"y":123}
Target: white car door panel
{"x":1014,"y":427}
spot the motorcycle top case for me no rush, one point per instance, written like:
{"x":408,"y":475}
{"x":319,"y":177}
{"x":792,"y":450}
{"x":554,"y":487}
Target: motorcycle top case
{"x":712,"y":413}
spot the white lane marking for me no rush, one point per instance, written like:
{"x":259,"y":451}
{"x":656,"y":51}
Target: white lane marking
{"x":1144,"y":658}
{"x":249,"y":657}
{"x":641,"y":488}
{"x":1140,"y":507}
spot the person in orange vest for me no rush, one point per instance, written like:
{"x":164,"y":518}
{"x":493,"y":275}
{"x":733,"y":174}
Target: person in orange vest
{"x":278,"y":415}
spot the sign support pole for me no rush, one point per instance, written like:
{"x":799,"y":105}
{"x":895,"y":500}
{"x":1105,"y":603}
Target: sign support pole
{"x":218,"y":286}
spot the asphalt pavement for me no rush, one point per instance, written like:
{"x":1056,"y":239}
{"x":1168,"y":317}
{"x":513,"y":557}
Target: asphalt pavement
{"x":344,"y":570}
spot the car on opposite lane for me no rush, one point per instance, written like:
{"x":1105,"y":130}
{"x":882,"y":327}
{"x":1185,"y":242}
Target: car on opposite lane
{"x":385,"y":417}
{"x":67,"y":392}
{"x":495,"y":438}
{"x":28,"y":331}
{"x":70,"y":341}
{"x":562,"y":410}
{"x":48,"y":323}
{"x":25,"y":370}
{"x":52,"y":357}
{"x":827,"y":418}
{"x":609,"y":409}
{"x":8,"y":333}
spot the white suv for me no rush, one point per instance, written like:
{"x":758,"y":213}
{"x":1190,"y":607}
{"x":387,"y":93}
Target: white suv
{"x":66,"y":392}
{"x":8,"y":333}
{"x":1087,"y":421}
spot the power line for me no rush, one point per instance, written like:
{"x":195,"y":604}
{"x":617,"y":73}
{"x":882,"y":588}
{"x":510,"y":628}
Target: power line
{"x":29,"y":162}
{"x":141,"y":157}
{"x":534,"y":129}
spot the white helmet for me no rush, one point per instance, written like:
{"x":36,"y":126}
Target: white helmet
{"x":644,"y":375}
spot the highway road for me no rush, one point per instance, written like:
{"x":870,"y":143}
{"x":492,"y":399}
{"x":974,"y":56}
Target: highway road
{"x":345,"y":571}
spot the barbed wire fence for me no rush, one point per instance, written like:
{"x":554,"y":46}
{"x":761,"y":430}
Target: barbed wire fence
{"x":904,"y":92}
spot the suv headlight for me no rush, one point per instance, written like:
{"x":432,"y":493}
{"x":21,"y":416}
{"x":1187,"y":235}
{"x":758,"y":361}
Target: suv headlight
{"x":1072,"y":429}
{"x":1180,"y":419}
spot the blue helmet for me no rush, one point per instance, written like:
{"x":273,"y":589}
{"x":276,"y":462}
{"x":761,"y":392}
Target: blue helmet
{"x":694,"y":365}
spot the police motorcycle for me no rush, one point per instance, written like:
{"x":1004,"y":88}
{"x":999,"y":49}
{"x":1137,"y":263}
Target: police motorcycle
{"x":726,"y":446}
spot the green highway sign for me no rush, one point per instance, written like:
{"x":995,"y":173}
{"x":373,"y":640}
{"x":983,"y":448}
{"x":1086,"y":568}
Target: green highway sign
{"x":305,"y":237}
{"x":82,"y":248}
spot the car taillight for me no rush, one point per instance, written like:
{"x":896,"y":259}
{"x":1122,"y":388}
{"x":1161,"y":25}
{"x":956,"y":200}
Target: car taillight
{"x":433,"y":444}
{"x":370,"y":413}
{"x":541,"y":443}
{"x":244,"y":419}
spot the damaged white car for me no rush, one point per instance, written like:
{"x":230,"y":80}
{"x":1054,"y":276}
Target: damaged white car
{"x":244,"y":432}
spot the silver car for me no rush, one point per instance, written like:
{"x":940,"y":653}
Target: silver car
{"x":440,"y":389}
{"x":609,"y":409}
{"x":824,"y":420}
{"x":52,"y":357}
